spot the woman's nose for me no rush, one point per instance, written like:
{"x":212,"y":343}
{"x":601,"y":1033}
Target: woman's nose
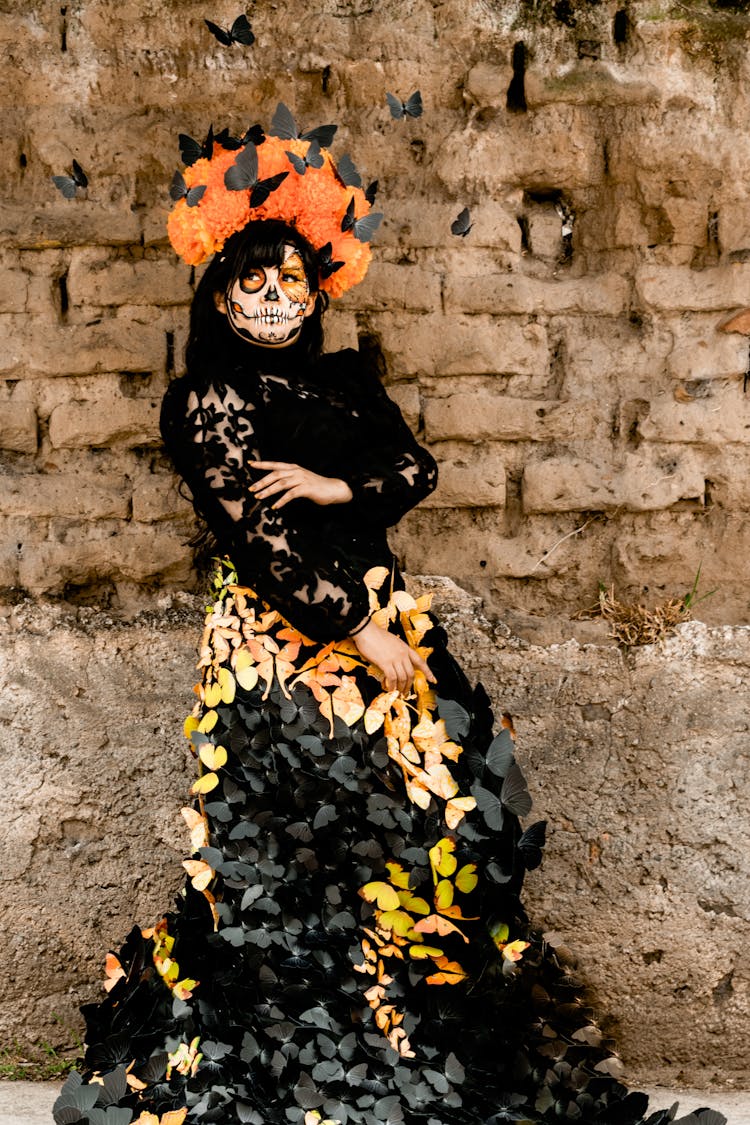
{"x":271,"y":294}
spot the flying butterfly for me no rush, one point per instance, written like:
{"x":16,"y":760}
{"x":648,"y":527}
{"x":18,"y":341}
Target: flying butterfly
{"x":179,"y":190}
{"x":462,"y":224}
{"x":284,"y":126}
{"x":311,"y":159}
{"x":68,"y":184}
{"x":371,"y":191}
{"x":243,"y":175}
{"x":192,"y":150}
{"x":412,"y":107}
{"x":239,"y":32}
{"x":363,"y":228}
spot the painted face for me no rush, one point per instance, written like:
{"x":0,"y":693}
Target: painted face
{"x":269,"y":304}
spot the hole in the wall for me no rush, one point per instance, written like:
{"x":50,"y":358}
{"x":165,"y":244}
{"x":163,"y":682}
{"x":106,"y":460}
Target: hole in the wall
{"x":170,"y":353}
{"x":133,"y":383}
{"x":418,"y":149}
{"x":621,"y":27}
{"x":589,"y":49}
{"x":708,"y":491}
{"x":325,"y":79}
{"x":62,"y":289}
{"x":746,"y":376}
{"x":22,"y":160}
{"x":712,"y":231}
{"x":523,"y":223}
{"x":513,"y":502}
{"x":64,"y":29}
{"x":564,"y":12}
{"x":483,"y":563}
{"x":605,"y":158}
{"x":370,"y":348}
{"x":515,"y":100}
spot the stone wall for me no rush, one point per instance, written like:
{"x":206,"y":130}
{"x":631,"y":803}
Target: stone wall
{"x":638,"y":761}
{"x":564,"y":361}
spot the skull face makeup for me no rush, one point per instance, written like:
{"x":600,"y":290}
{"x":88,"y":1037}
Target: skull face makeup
{"x":269,"y":304}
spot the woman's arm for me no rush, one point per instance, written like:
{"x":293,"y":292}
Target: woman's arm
{"x":213,"y":443}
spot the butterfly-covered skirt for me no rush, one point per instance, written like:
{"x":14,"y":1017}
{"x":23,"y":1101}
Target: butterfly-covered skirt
{"x":350,"y":947}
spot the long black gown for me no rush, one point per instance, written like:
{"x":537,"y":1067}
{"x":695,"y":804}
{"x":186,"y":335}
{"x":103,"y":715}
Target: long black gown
{"x":350,"y":946}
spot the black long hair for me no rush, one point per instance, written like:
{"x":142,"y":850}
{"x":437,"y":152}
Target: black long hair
{"x":212,"y":344}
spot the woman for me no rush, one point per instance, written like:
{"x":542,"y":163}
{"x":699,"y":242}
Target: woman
{"x":350,"y":946}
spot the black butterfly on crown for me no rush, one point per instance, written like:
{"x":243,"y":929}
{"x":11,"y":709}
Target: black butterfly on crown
{"x":179,"y":190}
{"x":239,"y":32}
{"x":313,"y":158}
{"x":243,"y":176}
{"x":326,"y":265}
{"x":412,"y":107}
{"x":69,"y":184}
{"x":284,"y":126}
{"x":364,"y":227}
{"x":347,"y":174}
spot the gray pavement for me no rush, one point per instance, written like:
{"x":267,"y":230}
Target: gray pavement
{"x":30,"y":1103}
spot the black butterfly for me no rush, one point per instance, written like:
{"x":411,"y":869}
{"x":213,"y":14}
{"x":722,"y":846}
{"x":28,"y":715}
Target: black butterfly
{"x":68,"y":184}
{"x":530,"y":844}
{"x":239,"y":32}
{"x":462,"y":224}
{"x":243,"y":175}
{"x":311,"y":159}
{"x":284,"y":126}
{"x":371,"y":191}
{"x":192,"y":150}
{"x":346,"y":171}
{"x":179,"y":190}
{"x":412,"y":107}
{"x":363,"y":228}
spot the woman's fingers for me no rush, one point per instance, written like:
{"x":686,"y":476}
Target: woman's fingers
{"x":419,"y":662}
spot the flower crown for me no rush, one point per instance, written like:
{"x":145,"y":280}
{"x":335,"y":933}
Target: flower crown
{"x":229,"y":182}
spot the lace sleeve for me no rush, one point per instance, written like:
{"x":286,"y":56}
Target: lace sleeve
{"x":211,"y":449}
{"x":395,"y":472}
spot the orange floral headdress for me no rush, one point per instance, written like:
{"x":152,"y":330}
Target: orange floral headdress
{"x":323,"y":203}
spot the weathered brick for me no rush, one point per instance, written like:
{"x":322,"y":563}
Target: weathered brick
{"x":106,"y":551}
{"x":390,"y":286}
{"x":105,"y":421}
{"x":14,"y":290}
{"x":62,"y":494}
{"x":413,"y":223}
{"x":701,"y":352}
{"x":722,"y":415}
{"x":461,"y":346}
{"x":487,"y":84}
{"x":60,"y":224}
{"x":671,"y":287}
{"x":644,"y":482}
{"x":501,"y":293}
{"x":589,"y":83}
{"x":500,"y":418}
{"x":474,"y":481}
{"x":340,"y":332}
{"x":156,"y":497}
{"x":96,"y":277}
{"x":120,"y":343}
{"x":734,"y":226}
{"x":18,"y":429}
{"x":407,"y":398}
{"x":526,"y":148}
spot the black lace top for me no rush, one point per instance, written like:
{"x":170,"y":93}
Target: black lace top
{"x":333,"y":417}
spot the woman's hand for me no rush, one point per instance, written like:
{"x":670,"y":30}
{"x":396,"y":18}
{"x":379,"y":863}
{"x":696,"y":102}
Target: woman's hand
{"x":393,"y":656}
{"x":294,"y":482}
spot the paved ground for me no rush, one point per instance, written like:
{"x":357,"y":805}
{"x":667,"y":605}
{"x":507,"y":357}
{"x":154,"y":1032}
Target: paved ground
{"x":30,"y":1103}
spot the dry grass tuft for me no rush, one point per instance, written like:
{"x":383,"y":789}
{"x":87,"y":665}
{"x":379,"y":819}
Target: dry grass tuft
{"x":633,"y":625}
